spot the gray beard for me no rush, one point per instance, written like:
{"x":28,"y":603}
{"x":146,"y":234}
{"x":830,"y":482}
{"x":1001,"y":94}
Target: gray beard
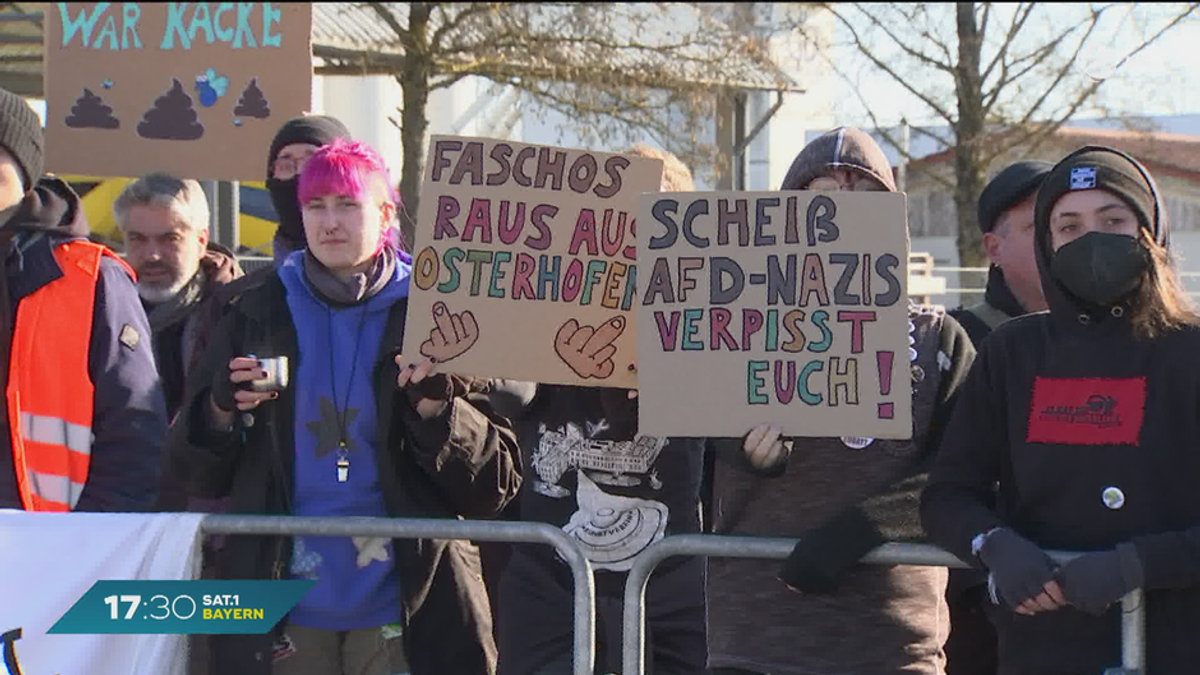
{"x":156,"y":295}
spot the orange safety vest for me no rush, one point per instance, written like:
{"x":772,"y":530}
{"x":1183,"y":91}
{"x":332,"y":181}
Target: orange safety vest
{"x":50,"y":390}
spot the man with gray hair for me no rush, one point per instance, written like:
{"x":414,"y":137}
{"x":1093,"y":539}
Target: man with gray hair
{"x":184,"y":283}
{"x":164,"y":221}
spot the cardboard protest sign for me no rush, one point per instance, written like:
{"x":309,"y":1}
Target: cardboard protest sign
{"x":197,"y":89}
{"x":525,"y":261}
{"x":788,"y":308}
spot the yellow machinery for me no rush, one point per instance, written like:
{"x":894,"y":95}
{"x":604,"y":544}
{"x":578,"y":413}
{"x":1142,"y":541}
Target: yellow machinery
{"x":256,"y":222}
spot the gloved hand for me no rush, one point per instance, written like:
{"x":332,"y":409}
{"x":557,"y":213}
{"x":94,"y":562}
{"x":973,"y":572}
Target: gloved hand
{"x":442,"y":387}
{"x":824,"y":554}
{"x":1094,"y":581}
{"x":1019,"y":568}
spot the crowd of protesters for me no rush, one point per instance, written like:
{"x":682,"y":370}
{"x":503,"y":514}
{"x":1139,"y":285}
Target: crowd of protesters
{"x":1056,"y":414}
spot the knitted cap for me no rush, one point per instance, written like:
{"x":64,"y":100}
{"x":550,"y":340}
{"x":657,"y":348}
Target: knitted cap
{"x":21,"y":136}
{"x":315,"y":129}
{"x":1103,"y":168}
{"x":1009,"y":188}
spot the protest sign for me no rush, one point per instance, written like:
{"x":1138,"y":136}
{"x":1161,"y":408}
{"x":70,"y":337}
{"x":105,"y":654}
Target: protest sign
{"x":525,"y":263}
{"x":197,"y":89}
{"x":788,"y":308}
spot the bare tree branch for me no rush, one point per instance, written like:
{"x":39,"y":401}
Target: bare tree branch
{"x":1016,"y":97}
{"x":908,"y":49}
{"x":879,"y":63}
{"x":385,"y":14}
{"x":1033,"y":135}
{"x":1028,"y":63}
{"x":449,"y":26}
{"x":1014,"y":28}
{"x":887,"y":135}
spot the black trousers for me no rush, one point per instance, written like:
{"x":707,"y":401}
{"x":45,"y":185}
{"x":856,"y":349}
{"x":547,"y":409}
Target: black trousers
{"x":971,"y":649}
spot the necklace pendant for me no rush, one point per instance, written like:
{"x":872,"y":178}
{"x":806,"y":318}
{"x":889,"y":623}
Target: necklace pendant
{"x":343,"y":469}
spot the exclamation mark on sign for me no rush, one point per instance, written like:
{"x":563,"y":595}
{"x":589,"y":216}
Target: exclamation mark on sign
{"x":884,"y":361}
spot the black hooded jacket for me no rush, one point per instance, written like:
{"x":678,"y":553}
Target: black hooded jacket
{"x":1058,"y":408}
{"x":999,"y":305}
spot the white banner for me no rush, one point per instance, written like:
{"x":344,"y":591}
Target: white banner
{"x":48,"y":561}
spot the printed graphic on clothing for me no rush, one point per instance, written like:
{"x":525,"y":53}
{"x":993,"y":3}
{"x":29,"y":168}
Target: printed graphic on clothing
{"x":1087,"y":411}
{"x":614,"y":529}
{"x":282,"y":648}
{"x":611,"y":528}
{"x":306,"y":564}
{"x":1083,"y":178}
{"x":371,"y":548}
{"x":329,"y":429}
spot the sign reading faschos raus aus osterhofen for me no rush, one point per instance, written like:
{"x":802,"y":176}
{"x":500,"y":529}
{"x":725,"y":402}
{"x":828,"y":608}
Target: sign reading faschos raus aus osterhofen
{"x":787,"y":308}
{"x":525,"y":261}
{"x":193,"y":88}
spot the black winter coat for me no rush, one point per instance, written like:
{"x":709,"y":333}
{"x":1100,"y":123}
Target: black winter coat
{"x":464,"y":463}
{"x":1061,"y":409}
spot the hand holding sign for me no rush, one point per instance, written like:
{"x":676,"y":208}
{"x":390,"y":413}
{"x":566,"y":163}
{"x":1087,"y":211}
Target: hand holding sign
{"x":453,"y":335}
{"x":588,"y":351}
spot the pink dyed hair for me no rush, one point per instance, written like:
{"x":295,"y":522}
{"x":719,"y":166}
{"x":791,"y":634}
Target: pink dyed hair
{"x":353,"y":169}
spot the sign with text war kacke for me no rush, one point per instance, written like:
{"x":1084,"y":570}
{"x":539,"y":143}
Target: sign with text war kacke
{"x":788,"y":308}
{"x":525,"y":262}
{"x":197,"y":89}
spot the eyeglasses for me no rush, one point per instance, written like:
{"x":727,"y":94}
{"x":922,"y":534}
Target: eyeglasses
{"x":289,"y":165}
{"x":845,"y":180}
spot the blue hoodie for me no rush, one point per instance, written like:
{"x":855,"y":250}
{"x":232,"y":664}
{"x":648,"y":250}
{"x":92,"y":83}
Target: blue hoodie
{"x":356,"y":584}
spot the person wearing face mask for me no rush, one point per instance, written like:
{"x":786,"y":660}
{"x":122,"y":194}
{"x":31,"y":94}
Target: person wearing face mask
{"x":346,"y":427}
{"x":295,"y":143}
{"x":1085,"y":419}
{"x":842,"y":497}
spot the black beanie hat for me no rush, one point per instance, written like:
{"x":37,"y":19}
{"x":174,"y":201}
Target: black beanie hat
{"x":1100,"y":167}
{"x":21,"y":136}
{"x":314,"y":129}
{"x":1009,"y":188}
{"x":317,"y":130}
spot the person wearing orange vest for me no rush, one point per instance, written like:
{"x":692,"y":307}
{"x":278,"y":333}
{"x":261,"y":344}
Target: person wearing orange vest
{"x":84,"y":416}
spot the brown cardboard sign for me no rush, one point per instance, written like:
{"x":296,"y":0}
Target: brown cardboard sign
{"x":787,"y":308}
{"x":197,"y":89}
{"x":526,"y":263}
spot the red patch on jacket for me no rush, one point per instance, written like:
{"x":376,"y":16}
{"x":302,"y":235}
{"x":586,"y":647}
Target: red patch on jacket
{"x":1087,"y":411}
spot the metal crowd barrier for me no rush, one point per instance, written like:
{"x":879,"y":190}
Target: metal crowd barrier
{"x":433,"y":528}
{"x":1133,"y":618}
{"x":1133,"y":628}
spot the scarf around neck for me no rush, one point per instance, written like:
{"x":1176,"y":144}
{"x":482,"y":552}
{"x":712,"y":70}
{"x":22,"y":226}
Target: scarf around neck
{"x":168,"y":312}
{"x":343,"y":292}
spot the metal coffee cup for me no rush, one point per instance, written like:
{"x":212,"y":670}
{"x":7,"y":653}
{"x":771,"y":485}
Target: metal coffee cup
{"x":276,"y":369}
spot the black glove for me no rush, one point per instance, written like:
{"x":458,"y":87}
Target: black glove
{"x":1094,"y":581}
{"x":1020,"y":570}
{"x":442,"y":387}
{"x":825,"y":553}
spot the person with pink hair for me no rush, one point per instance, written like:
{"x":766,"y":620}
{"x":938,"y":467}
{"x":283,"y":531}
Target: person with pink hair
{"x":303,"y":405}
